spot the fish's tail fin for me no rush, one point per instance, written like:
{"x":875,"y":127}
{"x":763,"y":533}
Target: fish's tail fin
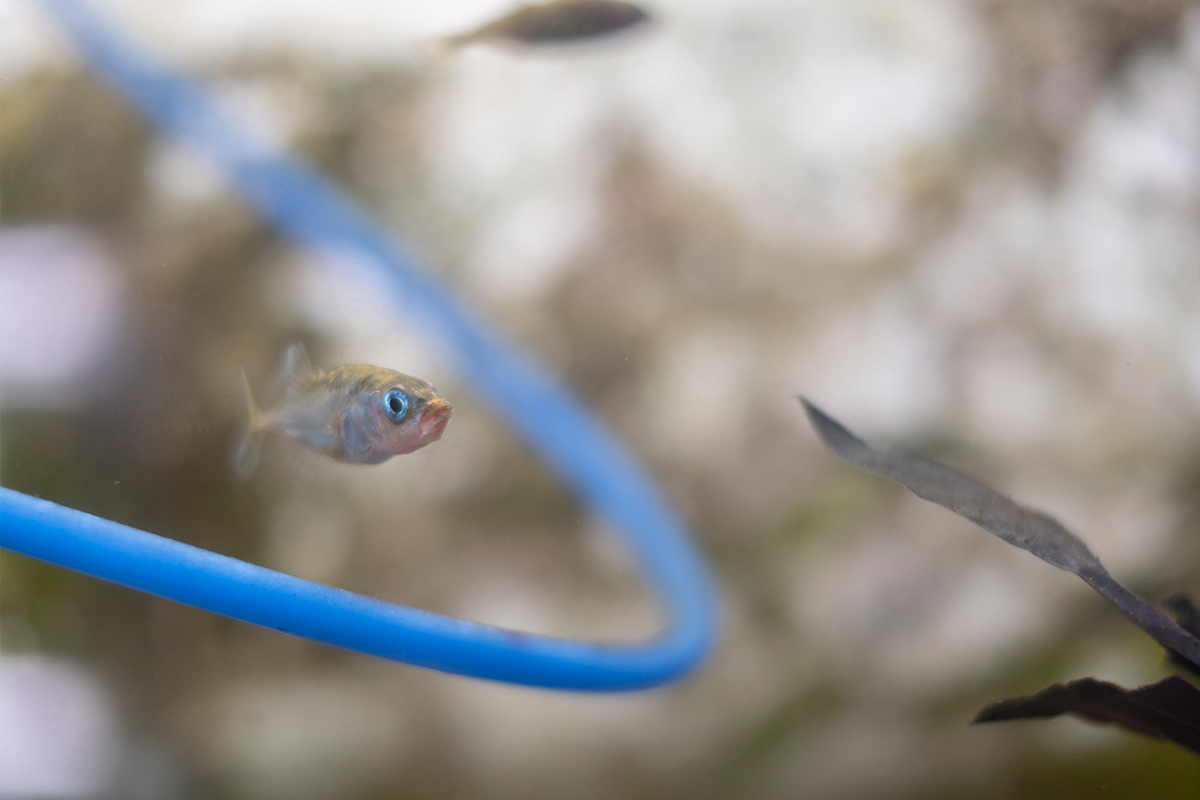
{"x":248,"y":446}
{"x":445,"y":46}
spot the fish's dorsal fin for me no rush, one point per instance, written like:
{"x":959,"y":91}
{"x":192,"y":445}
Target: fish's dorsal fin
{"x":296,"y":370}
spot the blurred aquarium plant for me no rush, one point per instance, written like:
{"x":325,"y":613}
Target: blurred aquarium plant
{"x":1170,"y":709}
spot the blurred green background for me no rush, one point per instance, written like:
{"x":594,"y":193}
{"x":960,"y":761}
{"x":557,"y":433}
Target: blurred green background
{"x":966,"y":229}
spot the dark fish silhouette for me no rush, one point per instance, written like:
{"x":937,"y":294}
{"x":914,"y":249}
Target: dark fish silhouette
{"x":558,"y":22}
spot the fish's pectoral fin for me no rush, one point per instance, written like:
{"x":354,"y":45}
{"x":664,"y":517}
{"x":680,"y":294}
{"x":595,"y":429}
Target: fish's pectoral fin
{"x":354,"y":439}
{"x":357,"y":445}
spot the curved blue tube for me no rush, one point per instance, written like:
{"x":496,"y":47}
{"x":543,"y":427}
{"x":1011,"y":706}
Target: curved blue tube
{"x":315,"y":213}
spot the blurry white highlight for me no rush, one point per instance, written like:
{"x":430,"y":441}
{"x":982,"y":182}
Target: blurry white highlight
{"x":59,"y":736}
{"x":61,"y":317}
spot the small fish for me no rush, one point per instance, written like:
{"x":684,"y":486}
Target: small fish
{"x":357,"y":413}
{"x":554,"y":23}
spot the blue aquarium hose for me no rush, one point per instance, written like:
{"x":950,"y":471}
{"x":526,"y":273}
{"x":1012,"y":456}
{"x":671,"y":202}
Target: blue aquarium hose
{"x":315,"y":213}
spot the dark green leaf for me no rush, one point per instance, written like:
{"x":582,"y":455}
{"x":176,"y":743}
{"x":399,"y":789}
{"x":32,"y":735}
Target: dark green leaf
{"x":1169,"y":709}
{"x":1022,"y":527}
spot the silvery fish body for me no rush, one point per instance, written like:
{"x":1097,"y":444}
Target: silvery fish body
{"x":357,"y":413}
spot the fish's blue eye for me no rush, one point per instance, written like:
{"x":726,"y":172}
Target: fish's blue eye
{"x":395,"y":405}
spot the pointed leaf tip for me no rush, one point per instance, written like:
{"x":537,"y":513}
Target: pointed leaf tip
{"x":835,"y":435}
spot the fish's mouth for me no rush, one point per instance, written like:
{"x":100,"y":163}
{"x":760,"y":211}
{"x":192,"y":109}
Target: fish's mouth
{"x":434,"y":419}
